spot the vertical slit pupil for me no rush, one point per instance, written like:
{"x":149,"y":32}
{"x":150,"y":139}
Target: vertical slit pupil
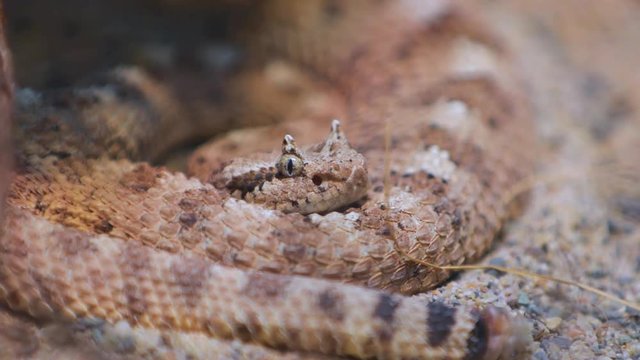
{"x":290,"y":167}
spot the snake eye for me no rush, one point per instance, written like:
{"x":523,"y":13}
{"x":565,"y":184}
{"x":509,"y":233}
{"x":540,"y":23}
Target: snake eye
{"x":290,"y":165}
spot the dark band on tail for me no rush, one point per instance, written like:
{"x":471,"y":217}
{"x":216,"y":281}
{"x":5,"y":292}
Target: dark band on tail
{"x":440,"y":321}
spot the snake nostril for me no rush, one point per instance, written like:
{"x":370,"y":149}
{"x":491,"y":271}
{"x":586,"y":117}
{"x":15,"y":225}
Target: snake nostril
{"x":317,"y":180}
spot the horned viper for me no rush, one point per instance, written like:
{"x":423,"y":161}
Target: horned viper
{"x":93,"y":232}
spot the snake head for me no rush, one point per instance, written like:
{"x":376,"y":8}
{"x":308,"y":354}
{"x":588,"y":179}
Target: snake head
{"x":318,"y":179}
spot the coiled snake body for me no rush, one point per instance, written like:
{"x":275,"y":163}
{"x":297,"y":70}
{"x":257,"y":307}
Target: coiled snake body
{"x":91,"y":233}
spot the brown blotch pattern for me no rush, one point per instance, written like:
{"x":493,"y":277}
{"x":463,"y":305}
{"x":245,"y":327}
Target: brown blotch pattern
{"x":188,"y":219}
{"x":478,"y":340}
{"x":331,"y":302}
{"x":440,"y":321}
{"x":103,"y":227}
{"x":191,"y":275}
{"x":135,"y":263}
{"x":262,"y":287}
{"x":141,"y":179}
{"x":188,"y":204}
{"x":242,"y":332}
{"x":72,"y":242}
{"x":386,"y":308}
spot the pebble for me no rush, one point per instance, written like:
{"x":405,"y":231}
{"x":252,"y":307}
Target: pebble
{"x":556,"y":312}
{"x":497,"y":261}
{"x":523,"y":299}
{"x":580,"y":350}
{"x":540,"y":355}
{"x":626,"y":280}
{"x":535,"y":309}
{"x":597,"y":273}
{"x":561,"y":342}
{"x":553,"y":323}
{"x":624,"y":339}
{"x":574,"y":332}
{"x":631,"y":311}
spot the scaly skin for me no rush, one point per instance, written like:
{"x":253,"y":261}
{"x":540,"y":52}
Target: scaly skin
{"x":93,"y":234}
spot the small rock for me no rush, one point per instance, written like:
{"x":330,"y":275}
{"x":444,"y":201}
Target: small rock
{"x":535,"y":309}
{"x":626,"y":280}
{"x":632,"y":312}
{"x":523,"y":299}
{"x":614,"y":315}
{"x":553,"y":351}
{"x":497,"y":261}
{"x":580,"y":350}
{"x":623,"y":340}
{"x":553,"y":323}
{"x":561,"y":342}
{"x":540,"y":355}
{"x":616,"y":227}
{"x":597,"y":273}
{"x":555,"y":312}
{"x":574,"y":332}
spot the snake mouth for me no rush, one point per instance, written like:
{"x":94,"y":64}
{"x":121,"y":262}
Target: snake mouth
{"x":320,"y":192}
